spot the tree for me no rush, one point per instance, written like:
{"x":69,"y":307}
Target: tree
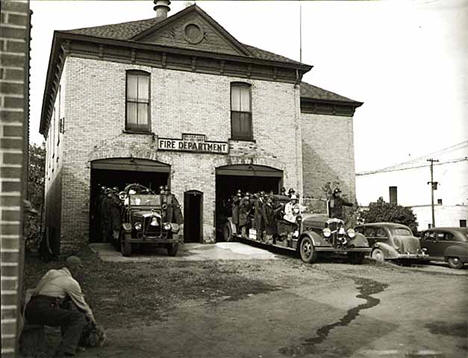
{"x":36,"y":172}
{"x":380,"y":211}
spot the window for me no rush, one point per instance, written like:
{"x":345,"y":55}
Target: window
{"x":137,"y":101}
{"x":439,"y":201}
{"x":393,"y":192}
{"x":241,"y":111}
{"x":462,"y":223}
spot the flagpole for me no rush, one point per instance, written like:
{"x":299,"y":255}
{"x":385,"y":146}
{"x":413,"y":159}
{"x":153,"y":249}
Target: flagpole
{"x":300,"y":32}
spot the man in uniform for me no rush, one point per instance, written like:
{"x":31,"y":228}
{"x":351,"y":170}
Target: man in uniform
{"x":244,"y":211}
{"x":46,"y":306}
{"x":115,"y":212}
{"x":235,"y":209}
{"x":336,"y":205}
{"x":260,"y":215}
{"x":173,"y":211}
{"x":106,"y":215}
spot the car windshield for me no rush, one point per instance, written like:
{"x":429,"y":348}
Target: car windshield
{"x":145,"y":200}
{"x":402,"y":232}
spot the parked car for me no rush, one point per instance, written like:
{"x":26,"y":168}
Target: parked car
{"x":391,"y":241}
{"x":446,"y":244}
{"x":144,"y":222}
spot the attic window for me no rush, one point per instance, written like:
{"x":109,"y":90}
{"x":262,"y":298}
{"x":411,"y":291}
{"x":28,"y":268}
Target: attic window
{"x":193,"y":33}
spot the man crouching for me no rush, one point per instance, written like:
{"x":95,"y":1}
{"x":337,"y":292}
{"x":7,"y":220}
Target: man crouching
{"x":47,"y":305}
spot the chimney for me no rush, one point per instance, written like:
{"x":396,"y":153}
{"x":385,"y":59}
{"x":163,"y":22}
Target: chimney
{"x":162,"y":8}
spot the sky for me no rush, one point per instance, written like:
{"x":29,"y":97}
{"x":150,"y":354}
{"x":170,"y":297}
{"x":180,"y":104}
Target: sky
{"x":407,"y":60}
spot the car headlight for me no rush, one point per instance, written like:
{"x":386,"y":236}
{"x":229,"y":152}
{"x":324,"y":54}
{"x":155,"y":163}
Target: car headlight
{"x":351,"y":233}
{"x":326,"y":232}
{"x":167,"y":226}
{"x":137,"y":225}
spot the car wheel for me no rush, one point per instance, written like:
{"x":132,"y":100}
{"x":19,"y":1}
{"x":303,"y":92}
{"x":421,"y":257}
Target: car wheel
{"x":455,"y":262}
{"x":227,"y":233}
{"x":378,"y":255}
{"x":307,"y":250}
{"x":356,"y":258}
{"x":125,"y":245}
{"x":172,"y":249}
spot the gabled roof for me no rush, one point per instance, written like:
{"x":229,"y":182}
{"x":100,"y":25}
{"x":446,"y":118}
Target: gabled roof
{"x":137,"y":30}
{"x":314,"y":93}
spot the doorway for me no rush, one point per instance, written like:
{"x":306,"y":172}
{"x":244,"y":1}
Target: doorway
{"x":193,"y":216}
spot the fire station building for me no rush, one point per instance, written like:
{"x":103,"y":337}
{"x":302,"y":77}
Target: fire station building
{"x":178,"y":101}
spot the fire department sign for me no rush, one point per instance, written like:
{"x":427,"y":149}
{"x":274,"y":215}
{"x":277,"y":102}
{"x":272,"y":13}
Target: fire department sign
{"x":193,"y":143}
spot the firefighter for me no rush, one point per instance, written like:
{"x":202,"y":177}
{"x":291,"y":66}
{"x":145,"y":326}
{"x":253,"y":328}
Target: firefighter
{"x":173,"y":211}
{"x":260,"y":215}
{"x":235,"y":208}
{"x":336,"y":204}
{"x":244,"y":212}
{"x":115,"y":213}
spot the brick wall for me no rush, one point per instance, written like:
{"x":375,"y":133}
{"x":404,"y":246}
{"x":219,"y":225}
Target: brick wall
{"x":181,"y":102}
{"x":14,"y":92}
{"x":328,"y":154}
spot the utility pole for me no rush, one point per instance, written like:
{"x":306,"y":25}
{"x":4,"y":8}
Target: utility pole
{"x":433,"y":187}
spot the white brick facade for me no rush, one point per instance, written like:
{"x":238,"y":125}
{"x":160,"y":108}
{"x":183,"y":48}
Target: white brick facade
{"x":181,"y":102}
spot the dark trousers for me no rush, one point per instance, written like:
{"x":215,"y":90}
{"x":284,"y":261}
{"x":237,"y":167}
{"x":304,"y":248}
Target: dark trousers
{"x":46,"y":311}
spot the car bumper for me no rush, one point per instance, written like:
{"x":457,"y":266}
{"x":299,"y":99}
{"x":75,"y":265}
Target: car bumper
{"x":156,"y":240}
{"x":421,"y":257}
{"x":365,"y":250}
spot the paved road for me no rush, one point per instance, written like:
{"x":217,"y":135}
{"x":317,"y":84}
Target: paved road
{"x":327,"y":309}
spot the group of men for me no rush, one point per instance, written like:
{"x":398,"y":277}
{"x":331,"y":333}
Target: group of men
{"x":271,"y":215}
{"x":275,"y":215}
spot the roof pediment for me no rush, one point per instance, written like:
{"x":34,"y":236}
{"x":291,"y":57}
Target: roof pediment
{"x":192,"y":29}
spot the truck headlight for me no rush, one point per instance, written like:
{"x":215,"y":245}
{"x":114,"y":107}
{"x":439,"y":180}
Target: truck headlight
{"x":137,"y":225}
{"x":351,"y":233}
{"x":326,"y":232}
{"x":167,"y":226}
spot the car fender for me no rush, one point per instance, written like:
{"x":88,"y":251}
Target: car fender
{"x":359,"y":241}
{"x":127,"y":227}
{"x":456,"y":251}
{"x":389,"y":251}
{"x":316,"y":238}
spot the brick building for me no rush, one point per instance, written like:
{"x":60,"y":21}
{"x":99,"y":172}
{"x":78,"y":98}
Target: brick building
{"x":177,"y":100}
{"x":14,"y":125}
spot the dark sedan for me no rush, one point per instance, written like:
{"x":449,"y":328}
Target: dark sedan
{"x":391,"y":241}
{"x":447,"y":244}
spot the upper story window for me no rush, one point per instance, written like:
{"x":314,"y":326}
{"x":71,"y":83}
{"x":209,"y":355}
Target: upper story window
{"x":137,"y":118}
{"x":241,"y":111}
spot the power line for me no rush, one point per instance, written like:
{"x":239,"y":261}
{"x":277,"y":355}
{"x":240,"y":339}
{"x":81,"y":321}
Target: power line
{"x":388,"y":170}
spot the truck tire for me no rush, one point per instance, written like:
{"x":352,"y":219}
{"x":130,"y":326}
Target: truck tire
{"x":172,"y":249}
{"x":307,"y":250}
{"x":125,"y":245}
{"x":227,"y":233}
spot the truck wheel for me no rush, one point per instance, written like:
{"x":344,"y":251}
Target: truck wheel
{"x":125,"y":245}
{"x":378,"y":255}
{"x":227,"y":233}
{"x":455,"y":262}
{"x":356,"y":258}
{"x":307,"y":250}
{"x":172,"y":249}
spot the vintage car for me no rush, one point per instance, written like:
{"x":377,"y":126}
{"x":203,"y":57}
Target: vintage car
{"x":144,"y":223}
{"x":448,"y":244}
{"x":313,"y":235}
{"x":391,"y":241}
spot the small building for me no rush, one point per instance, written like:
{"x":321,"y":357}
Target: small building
{"x":408,"y":184}
{"x":178,"y":101}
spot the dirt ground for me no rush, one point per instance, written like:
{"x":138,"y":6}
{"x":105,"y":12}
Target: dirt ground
{"x":270,"y":308}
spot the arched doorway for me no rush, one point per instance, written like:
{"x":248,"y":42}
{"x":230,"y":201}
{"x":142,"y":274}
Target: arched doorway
{"x":246,"y":177}
{"x":118,"y":172}
{"x":193,"y":216}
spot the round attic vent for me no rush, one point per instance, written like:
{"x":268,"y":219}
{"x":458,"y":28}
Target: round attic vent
{"x":193,"y":33}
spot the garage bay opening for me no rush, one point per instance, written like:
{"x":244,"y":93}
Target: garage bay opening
{"x":247,"y":178}
{"x":117,"y":173}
